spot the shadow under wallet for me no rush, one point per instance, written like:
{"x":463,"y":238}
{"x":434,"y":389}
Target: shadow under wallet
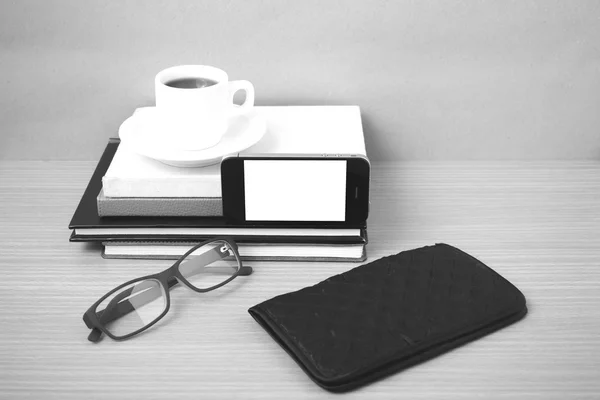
{"x":384,"y":316}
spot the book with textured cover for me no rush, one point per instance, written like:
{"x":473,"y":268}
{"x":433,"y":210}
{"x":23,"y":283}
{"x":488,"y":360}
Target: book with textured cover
{"x":159,"y":206}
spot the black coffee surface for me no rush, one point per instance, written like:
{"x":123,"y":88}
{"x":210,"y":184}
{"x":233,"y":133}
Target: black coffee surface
{"x":190,"y":83}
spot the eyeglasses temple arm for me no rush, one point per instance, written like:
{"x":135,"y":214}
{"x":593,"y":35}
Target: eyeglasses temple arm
{"x":246,"y":270}
{"x":95,"y":335}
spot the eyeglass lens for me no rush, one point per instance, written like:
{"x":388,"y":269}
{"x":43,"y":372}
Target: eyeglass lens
{"x":133,"y":307}
{"x":209,"y":265}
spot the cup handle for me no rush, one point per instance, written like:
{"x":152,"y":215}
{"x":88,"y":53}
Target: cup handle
{"x":248,"y":87}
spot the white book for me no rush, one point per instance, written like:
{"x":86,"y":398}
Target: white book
{"x":248,"y":251}
{"x":290,"y":130}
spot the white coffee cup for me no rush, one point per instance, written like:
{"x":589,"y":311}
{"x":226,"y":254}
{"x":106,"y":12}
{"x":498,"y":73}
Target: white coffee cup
{"x":197,"y":118}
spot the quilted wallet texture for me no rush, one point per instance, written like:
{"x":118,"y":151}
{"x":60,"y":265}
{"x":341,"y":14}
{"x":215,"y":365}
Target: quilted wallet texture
{"x":381,"y":317}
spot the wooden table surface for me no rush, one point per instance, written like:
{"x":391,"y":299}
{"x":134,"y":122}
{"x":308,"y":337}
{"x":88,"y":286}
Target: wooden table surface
{"x":537,"y":224}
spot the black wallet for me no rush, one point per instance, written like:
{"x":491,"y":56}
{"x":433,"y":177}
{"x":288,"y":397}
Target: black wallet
{"x":389,"y":314}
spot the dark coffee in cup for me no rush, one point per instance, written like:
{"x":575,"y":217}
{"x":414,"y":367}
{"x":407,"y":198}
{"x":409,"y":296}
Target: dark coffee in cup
{"x":190,"y":83}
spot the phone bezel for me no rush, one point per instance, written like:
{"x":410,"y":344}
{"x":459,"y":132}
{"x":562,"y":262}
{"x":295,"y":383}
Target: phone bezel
{"x":357,"y":190}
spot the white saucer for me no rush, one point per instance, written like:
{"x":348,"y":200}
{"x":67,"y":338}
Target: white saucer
{"x":244,"y":131}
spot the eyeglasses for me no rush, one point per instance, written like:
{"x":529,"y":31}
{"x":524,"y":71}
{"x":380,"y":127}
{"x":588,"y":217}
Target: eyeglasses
{"x":140,"y":303}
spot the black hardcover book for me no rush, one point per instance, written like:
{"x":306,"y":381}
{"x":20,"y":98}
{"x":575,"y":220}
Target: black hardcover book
{"x":87,"y":225}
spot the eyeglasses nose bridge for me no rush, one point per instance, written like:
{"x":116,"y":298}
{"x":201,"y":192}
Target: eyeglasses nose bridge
{"x":168,"y":277}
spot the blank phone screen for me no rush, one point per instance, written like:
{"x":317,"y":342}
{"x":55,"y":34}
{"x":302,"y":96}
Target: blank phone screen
{"x":295,"y":190}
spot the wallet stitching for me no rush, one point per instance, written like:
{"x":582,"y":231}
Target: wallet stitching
{"x":395,"y":365}
{"x":312,"y":366}
{"x":431,"y":342}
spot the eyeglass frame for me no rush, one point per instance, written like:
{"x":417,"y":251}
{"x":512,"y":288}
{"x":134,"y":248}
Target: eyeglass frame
{"x":167,"y":279}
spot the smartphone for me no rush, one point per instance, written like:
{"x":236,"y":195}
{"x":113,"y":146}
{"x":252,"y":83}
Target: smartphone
{"x":305,"y":189}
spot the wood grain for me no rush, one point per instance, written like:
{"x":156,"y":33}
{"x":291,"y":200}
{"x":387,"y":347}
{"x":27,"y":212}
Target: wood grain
{"x":537,"y":224}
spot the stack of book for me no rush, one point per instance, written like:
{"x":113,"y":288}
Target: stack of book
{"x":138,"y":207}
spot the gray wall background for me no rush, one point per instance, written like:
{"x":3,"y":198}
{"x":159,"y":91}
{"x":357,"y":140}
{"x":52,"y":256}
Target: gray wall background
{"x":436,"y":80}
